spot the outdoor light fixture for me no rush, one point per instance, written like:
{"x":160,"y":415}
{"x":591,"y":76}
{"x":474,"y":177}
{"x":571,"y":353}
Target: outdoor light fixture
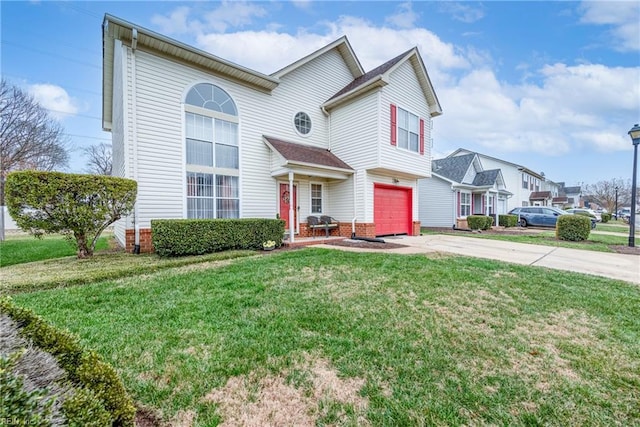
{"x":634,"y":133}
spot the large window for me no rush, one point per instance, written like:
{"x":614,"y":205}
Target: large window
{"x":212,"y":153}
{"x":408,"y":131}
{"x":465,"y":204}
{"x":316,"y":198}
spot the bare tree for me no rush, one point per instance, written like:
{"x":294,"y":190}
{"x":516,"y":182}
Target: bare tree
{"x":29,"y":137}
{"x":99,"y":159}
{"x":604,"y":193}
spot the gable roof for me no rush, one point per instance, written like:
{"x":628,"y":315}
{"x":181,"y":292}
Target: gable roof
{"x":306,"y":154}
{"x":453,"y":168}
{"x":114,"y":28}
{"x":486,"y":178}
{"x":519,"y":167}
{"x":344,"y":48}
{"x":572,"y":190}
{"x":540,"y":195}
{"x":379,"y":77}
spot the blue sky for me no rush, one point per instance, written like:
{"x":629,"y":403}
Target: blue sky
{"x":554,"y":86}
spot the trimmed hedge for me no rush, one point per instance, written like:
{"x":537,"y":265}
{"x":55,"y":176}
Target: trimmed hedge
{"x":479,"y":222}
{"x":508,"y":220}
{"x":606,"y":217}
{"x":573,"y":227}
{"x":178,"y":237}
{"x":101,"y":386}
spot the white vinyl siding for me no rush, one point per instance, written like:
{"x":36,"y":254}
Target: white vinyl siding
{"x":436,"y":203}
{"x":404,"y":91}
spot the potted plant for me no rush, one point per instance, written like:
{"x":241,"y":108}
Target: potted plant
{"x":269,"y":245}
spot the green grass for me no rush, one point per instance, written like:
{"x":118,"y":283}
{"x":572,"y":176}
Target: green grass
{"x":70,"y":271}
{"x":596,"y":242}
{"x":22,"y":249}
{"x":616,"y":228}
{"x":424,"y":341}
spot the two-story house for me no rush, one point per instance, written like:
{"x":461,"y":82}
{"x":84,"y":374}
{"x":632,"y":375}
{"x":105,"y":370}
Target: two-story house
{"x":460,"y":186}
{"x":207,"y":138}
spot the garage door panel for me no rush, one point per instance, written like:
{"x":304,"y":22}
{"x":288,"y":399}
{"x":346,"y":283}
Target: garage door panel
{"x":392,"y":210}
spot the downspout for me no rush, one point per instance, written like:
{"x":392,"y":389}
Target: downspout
{"x":328,"y":116}
{"x":355,"y":192}
{"x":292,"y":226}
{"x":134,"y":125}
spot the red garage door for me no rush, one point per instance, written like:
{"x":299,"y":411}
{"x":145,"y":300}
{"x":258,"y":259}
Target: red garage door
{"x":392,"y":209}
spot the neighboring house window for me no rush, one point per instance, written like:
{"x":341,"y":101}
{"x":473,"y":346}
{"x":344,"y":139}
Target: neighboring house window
{"x":465,"y":204}
{"x":525,"y":203}
{"x":525,"y":181}
{"x":302,"y":121}
{"x":408,"y":131}
{"x":212,"y":153}
{"x":316,"y":198}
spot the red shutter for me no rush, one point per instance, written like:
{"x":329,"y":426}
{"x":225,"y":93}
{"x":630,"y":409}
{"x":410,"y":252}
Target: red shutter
{"x":393,"y":124}
{"x":422,"y":136}
{"x":459,"y":210}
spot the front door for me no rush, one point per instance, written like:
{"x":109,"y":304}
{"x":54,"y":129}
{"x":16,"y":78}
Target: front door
{"x":285,"y":201}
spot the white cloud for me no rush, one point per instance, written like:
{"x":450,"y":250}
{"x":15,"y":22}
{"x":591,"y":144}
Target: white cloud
{"x":568,"y":107}
{"x":55,"y":99}
{"x":463,"y":12}
{"x":268,"y":51}
{"x":622,"y":16}
{"x":404,"y":17}
{"x":229,"y":14}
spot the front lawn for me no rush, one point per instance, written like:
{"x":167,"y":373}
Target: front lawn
{"x":596,"y":242}
{"x":25,"y":248}
{"x":317,"y":337}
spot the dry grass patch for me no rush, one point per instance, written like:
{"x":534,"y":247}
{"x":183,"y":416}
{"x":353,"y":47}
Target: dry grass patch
{"x":309,"y":391}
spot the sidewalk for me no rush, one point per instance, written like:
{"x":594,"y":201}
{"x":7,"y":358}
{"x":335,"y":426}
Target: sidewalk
{"x":610,"y":265}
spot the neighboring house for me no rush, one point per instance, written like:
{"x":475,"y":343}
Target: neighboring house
{"x":520,"y":180}
{"x":459,"y":187}
{"x":571,"y":195}
{"x":206,"y":138}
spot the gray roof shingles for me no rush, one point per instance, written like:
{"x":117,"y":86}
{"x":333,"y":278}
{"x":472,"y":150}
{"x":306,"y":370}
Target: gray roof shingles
{"x":453,"y":168}
{"x":370,"y":75}
{"x":307,"y":154}
{"x":486,"y":178}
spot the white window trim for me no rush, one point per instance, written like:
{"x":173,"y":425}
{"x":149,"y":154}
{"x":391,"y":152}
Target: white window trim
{"x":398,"y":108}
{"x":466,"y":204}
{"x":215,"y":171}
{"x":293,"y":123}
{"x":322,"y":197}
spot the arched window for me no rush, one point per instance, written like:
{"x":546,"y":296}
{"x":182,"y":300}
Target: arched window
{"x":212,"y":153}
{"x":205,"y":95}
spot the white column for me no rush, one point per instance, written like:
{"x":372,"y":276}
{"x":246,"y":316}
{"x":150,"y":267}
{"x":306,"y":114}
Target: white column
{"x":292,"y":226}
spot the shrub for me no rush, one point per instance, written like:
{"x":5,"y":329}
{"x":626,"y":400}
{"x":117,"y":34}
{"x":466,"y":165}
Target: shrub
{"x":84,"y":409}
{"x":508,"y":220}
{"x":479,"y":222}
{"x":85,"y":369}
{"x":606,"y":217}
{"x":573,"y":227}
{"x":78,"y":206}
{"x":177,"y":237}
{"x":21,"y":407}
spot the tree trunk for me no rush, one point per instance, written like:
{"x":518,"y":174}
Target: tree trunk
{"x":84,"y":250}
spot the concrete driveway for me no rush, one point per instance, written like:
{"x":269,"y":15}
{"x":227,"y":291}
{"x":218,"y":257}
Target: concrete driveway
{"x":611,"y":265}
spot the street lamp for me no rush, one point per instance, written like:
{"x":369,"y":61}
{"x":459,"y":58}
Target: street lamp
{"x":634,"y":133}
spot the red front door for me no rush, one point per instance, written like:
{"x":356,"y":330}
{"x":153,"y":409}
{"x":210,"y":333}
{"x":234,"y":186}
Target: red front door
{"x":285,"y":201}
{"x":392,"y":209}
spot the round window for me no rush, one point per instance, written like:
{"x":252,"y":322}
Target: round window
{"x":303,"y":123}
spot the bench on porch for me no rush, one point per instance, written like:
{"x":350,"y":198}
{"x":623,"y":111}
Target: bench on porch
{"x":325,"y":222}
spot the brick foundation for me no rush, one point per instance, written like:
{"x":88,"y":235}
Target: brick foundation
{"x":343,"y":230}
{"x":146,"y":246}
{"x":416,"y":228}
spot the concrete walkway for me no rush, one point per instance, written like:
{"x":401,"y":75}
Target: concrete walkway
{"x":610,"y":265}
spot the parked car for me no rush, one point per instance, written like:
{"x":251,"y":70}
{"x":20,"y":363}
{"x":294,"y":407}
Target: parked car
{"x":589,"y":212}
{"x":624,"y":213}
{"x":540,"y":216}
